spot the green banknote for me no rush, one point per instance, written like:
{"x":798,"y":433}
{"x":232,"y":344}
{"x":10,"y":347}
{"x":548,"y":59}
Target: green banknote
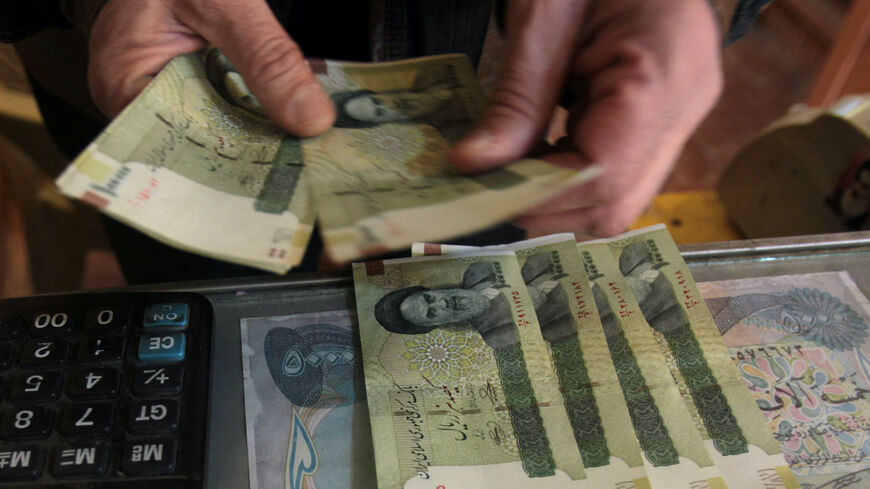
{"x":194,"y":164}
{"x":674,"y":451}
{"x":460,"y":389}
{"x":381,"y":179}
{"x":554,"y":276}
{"x":723,"y":410}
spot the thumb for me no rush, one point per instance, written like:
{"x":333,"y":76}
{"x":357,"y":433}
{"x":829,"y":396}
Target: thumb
{"x":271,"y":64}
{"x":540,"y":44}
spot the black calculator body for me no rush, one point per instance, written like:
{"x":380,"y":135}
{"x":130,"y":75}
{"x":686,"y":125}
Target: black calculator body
{"x":105,"y":390}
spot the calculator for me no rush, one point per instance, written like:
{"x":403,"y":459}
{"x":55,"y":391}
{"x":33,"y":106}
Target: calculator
{"x":104,"y":390}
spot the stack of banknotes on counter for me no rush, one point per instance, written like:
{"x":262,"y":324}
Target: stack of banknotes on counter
{"x":549,"y":363}
{"x":194,"y":163}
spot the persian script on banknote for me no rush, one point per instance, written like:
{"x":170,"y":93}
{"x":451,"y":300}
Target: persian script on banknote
{"x":554,"y":276}
{"x":802,"y":345}
{"x":723,"y":409}
{"x":460,"y":388}
{"x":194,"y":163}
{"x":305,"y":410}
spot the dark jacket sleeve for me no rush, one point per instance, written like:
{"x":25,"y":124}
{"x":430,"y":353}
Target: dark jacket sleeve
{"x":22,"y":18}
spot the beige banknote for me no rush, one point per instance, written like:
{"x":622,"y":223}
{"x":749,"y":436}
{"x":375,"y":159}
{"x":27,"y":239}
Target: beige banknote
{"x":563,"y":302}
{"x":674,"y":451}
{"x":460,"y":389}
{"x":802,"y":345}
{"x":193,"y":164}
{"x":678,"y":321}
{"x":381,"y":179}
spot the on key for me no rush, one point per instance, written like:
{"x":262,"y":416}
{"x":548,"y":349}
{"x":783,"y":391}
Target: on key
{"x":52,"y":324}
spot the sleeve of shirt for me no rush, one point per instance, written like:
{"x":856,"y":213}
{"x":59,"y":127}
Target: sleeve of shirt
{"x":23,"y":18}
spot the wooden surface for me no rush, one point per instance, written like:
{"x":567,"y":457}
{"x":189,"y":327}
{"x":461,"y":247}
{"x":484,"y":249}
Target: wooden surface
{"x":847,"y":67}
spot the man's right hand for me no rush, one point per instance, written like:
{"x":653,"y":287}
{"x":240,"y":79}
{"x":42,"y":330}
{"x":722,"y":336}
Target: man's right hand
{"x":131,"y":40}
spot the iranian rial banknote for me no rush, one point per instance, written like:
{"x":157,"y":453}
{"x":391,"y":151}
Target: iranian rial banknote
{"x":674,"y":452}
{"x":381,"y":178}
{"x":801,"y":343}
{"x":460,"y":388}
{"x":305,"y":410}
{"x":678,"y":320}
{"x":553,"y":274}
{"x":191,"y":163}
{"x":194,"y":163}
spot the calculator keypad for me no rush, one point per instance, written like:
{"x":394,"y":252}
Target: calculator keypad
{"x":104,"y":388}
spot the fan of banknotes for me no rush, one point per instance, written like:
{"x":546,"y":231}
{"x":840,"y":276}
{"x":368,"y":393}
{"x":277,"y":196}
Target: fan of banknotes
{"x":551,"y":364}
{"x":194,"y":163}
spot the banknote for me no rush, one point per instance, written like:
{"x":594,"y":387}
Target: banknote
{"x":381,"y":180}
{"x":193,"y":164}
{"x":801,"y":344}
{"x":553,"y":274}
{"x":723,"y":409}
{"x":460,"y":388}
{"x":305,"y":406}
{"x":674,"y":451}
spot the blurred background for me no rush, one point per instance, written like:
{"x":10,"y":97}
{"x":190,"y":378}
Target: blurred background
{"x":799,"y":52}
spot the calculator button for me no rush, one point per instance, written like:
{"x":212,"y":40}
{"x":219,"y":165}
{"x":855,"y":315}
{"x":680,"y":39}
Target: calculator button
{"x":52,"y":324}
{"x":107,"y":320}
{"x":10,"y":326}
{"x":43,"y":353}
{"x":80,"y":460}
{"x":155,"y":348}
{"x":166,"y":316}
{"x":7,"y":354}
{"x":31,"y":423}
{"x":34,"y":387}
{"x":158,"y":380}
{"x":153,"y":456}
{"x":94,"y":383}
{"x":100,"y":351}
{"x":21,"y":464}
{"x":86,"y":420}
{"x":152,"y":417}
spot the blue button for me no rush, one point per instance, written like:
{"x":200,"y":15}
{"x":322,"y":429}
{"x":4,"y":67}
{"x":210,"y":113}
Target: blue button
{"x":154,"y":348}
{"x":171,"y":316}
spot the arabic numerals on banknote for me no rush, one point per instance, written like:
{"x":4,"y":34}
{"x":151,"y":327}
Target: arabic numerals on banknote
{"x":305,"y":410}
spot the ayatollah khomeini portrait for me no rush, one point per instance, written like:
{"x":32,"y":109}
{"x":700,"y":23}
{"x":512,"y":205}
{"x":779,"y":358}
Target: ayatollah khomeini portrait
{"x":476,"y":302}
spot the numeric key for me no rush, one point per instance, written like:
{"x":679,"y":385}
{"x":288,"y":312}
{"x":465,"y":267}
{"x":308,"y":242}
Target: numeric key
{"x":107,"y":320}
{"x":101,"y":351}
{"x":94,"y":383}
{"x":87,"y":420}
{"x":31,"y":423}
{"x":52,"y":324}
{"x":43,"y":353}
{"x":10,"y":326}
{"x":35,"y":387}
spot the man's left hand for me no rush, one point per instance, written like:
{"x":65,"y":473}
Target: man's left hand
{"x":644,"y":73}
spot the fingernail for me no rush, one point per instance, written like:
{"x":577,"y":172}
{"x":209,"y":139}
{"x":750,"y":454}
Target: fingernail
{"x":308,"y":109}
{"x":479,"y":140}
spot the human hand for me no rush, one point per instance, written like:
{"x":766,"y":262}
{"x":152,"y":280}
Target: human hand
{"x":644,"y":74}
{"x":131,"y":40}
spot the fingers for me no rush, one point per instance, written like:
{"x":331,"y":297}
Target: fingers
{"x":271,"y":64}
{"x":541,"y":38}
{"x":129,"y":43}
